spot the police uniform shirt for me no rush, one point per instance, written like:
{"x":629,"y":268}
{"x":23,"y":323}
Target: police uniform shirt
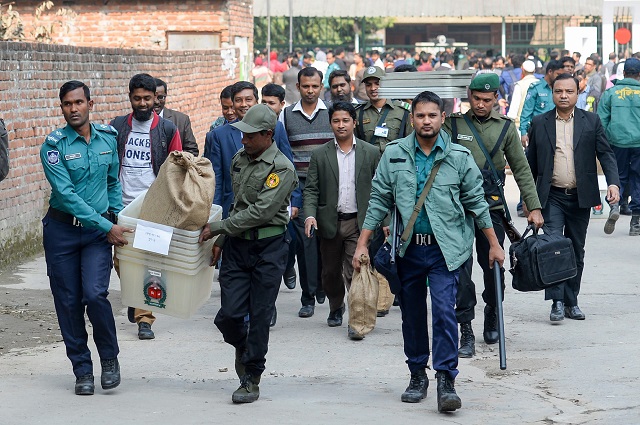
{"x":368,"y":119}
{"x":83,"y":176}
{"x":262,"y":189}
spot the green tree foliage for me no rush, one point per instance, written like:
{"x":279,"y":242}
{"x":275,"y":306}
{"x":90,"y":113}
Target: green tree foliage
{"x":311,"y":32}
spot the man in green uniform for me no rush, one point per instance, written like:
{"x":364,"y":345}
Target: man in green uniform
{"x":502,"y":142}
{"x":257,"y":246}
{"x":80,"y":162}
{"x":380,"y":120}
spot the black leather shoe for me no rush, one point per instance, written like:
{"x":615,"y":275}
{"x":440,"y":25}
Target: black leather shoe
{"x":144,"y":331}
{"x":574,"y":313}
{"x":396,"y":302}
{"x":467,"y":341}
{"x":274,"y":317}
{"x":84,"y":385}
{"x":335,"y":317}
{"x":110,"y":374}
{"x":382,"y":313}
{"x":131,"y":314}
{"x":417,"y":389}
{"x":448,"y":400}
{"x":290,"y":278}
{"x":306,"y":311}
{"x":320,"y":297}
{"x":557,"y":311}
{"x":352,"y":334}
{"x":490,"y":333}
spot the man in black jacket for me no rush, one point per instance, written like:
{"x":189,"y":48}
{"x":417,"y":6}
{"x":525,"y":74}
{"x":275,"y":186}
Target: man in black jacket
{"x":144,"y":143}
{"x":563,"y":146}
{"x":181,"y":121}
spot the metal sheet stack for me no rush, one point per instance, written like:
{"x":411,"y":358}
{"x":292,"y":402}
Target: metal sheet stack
{"x":407,"y":85}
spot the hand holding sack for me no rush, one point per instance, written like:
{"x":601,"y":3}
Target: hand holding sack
{"x":182,"y":194}
{"x":363,"y":298}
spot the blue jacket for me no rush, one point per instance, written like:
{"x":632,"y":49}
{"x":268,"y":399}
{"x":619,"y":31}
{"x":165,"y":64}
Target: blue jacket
{"x":221,"y":145}
{"x":454,"y":202}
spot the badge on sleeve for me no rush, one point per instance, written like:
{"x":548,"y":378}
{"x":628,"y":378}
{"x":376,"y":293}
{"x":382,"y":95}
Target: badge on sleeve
{"x":53,"y":157}
{"x":272,"y":180}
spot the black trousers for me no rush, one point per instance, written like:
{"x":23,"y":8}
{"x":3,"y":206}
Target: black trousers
{"x":563,"y":216}
{"x":466,"y":296}
{"x":250,"y":277}
{"x":309,"y":263}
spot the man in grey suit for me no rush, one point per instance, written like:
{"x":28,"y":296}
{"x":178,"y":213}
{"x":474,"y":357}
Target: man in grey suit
{"x":180,"y":120}
{"x":336,"y":197}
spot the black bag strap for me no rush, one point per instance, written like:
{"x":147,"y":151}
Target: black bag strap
{"x":403,"y":125}
{"x":360,"y":123}
{"x":489,"y":157}
{"x":454,"y":130}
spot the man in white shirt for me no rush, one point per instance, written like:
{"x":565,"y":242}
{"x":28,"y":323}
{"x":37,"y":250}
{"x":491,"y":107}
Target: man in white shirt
{"x":336,"y":196}
{"x":520,"y":91}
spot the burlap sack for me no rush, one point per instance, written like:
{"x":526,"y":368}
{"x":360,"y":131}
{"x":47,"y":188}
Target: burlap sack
{"x":182,"y":194}
{"x":363,"y":298}
{"x":385,"y":297}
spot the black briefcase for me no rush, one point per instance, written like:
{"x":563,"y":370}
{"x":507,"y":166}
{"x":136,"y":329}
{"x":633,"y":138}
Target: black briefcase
{"x":541,"y":261}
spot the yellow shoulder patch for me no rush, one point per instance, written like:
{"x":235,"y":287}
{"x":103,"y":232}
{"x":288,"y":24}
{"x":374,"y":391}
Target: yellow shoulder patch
{"x":272,"y":181}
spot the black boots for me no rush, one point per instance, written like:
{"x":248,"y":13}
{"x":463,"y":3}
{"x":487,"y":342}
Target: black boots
{"x":490,"y":333}
{"x":467,"y":341}
{"x":84,"y":385}
{"x":248,"y":391}
{"x":417,"y":389}
{"x":448,"y":400}
{"x":634,"y":229}
{"x":110,"y":373}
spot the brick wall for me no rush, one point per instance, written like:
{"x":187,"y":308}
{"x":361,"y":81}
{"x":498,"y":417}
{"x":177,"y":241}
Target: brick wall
{"x":30,"y":77}
{"x":143,"y":23}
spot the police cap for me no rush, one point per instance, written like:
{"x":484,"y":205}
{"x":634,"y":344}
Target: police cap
{"x":258,"y":118}
{"x":485,"y":82}
{"x":373,"y":72}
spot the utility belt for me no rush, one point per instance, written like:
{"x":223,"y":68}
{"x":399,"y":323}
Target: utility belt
{"x":67,"y":218}
{"x":347,"y":216}
{"x":424,"y":239}
{"x":258,"y":233}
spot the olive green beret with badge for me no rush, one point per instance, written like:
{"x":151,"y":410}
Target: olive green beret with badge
{"x":485,"y":83}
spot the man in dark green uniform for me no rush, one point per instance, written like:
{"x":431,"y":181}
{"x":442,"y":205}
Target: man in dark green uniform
{"x":380,"y":120}
{"x":502,"y":141}
{"x":256,"y":247}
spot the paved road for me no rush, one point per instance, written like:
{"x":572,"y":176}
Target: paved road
{"x":570,"y":373}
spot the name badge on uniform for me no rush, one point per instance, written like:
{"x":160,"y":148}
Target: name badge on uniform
{"x":381,"y":132}
{"x":542,"y":94}
{"x":72,"y":156}
{"x":465,"y":137}
{"x":366,"y":121}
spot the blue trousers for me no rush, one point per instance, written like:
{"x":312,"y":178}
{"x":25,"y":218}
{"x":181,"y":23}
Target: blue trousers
{"x":628,"y":160}
{"x":79,"y":262}
{"x":418,"y":264}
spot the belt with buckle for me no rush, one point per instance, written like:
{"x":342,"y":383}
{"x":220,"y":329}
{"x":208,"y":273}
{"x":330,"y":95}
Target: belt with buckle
{"x":567,"y":191}
{"x":346,"y":216}
{"x":67,"y":218}
{"x":424,"y":239}
{"x":258,"y":233}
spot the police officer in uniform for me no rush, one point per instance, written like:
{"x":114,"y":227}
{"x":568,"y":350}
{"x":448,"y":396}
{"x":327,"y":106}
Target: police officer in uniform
{"x":256,"y":246}
{"x":80,"y":162}
{"x":380,"y":120}
{"x":502,"y":141}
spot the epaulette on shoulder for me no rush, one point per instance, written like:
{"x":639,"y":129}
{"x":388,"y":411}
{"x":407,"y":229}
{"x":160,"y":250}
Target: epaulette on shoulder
{"x":106,"y":128}
{"x":455,"y":115}
{"x":458,"y":147}
{"x":54,"y":137}
{"x":403,"y":104}
{"x":504,"y":117}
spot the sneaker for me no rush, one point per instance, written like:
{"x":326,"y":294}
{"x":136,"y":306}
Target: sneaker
{"x":248,"y":391}
{"x":417,"y":389}
{"x":614,"y":215}
{"x":144,"y":331}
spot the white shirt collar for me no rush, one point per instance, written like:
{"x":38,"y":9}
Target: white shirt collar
{"x":353,"y":145}
{"x":320,"y":105}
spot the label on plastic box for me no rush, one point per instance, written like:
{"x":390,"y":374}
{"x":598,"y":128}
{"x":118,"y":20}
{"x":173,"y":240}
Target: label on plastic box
{"x":153,"y":237}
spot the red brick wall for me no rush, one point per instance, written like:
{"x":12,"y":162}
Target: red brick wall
{"x":30,"y":77}
{"x":143,"y":23}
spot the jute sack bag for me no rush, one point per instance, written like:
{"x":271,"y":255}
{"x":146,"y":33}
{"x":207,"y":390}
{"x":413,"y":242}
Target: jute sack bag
{"x":182,"y":194}
{"x":385,"y":297}
{"x":363,"y":298}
